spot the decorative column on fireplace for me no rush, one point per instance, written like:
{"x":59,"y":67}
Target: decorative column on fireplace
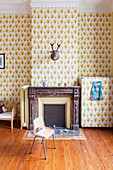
{"x":56,"y":92}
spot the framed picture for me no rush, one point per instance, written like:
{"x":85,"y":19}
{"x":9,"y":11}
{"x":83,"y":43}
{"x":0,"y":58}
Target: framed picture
{"x":2,"y":61}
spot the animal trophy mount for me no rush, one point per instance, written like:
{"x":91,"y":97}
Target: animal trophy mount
{"x":55,"y":53}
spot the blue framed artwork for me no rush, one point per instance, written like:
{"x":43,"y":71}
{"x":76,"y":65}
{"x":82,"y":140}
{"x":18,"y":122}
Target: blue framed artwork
{"x":2,"y":61}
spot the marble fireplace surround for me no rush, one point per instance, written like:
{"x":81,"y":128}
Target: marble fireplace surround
{"x":70,"y":96}
{"x":55,"y":100}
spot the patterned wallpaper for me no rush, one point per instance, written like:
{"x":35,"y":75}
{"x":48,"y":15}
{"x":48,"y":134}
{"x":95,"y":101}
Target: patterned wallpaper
{"x":25,"y":38}
{"x":15,"y":40}
{"x":86,"y":43}
{"x":97,"y":113}
{"x":58,"y":25}
{"x":94,"y":44}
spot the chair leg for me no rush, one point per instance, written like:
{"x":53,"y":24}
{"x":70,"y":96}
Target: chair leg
{"x":32,"y":146}
{"x":44,"y":148}
{"x":54,"y":140}
{"x":11,"y":124}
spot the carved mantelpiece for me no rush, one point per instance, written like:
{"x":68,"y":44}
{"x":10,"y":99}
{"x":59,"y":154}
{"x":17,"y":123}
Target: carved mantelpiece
{"x":72,"y":92}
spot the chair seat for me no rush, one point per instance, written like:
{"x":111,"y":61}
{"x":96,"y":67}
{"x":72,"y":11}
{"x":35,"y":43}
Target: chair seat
{"x":45,"y":132}
{"x":6,"y":115}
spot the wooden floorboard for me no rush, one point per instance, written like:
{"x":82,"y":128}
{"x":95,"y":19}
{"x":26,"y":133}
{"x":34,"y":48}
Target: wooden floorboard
{"x":97,"y":150}
{"x":56,"y":157}
{"x":86,"y":155}
{"x":68,"y":160}
{"x":94,"y":153}
{"x":61,"y":155}
{"x":92,"y":156}
{"x":80,"y":156}
{"x":49,"y":152}
{"x":73,"y":156}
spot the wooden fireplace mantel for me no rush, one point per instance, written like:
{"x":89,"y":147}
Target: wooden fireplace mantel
{"x":73,"y":92}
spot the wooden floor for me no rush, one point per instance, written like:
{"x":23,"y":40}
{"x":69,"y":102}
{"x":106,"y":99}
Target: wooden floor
{"x":96,"y":152}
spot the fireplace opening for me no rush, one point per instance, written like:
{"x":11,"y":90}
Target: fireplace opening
{"x":54,"y":114}
{"x":65,"y":101}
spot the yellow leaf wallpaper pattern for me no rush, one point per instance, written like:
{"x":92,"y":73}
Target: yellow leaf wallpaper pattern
{"x":97,"y":113}
{"x":15,"y":38}
{"x":54,"y":25}
{"x":94,"y":44}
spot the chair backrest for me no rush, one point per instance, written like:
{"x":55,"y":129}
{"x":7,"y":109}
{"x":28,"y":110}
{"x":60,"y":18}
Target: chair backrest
{"x":38,"y":123}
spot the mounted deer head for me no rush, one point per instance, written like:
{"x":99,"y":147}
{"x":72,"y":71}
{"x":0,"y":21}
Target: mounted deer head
{"x":55,"y":53}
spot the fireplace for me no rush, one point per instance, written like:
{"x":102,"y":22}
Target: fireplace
{"x":39,"y":97}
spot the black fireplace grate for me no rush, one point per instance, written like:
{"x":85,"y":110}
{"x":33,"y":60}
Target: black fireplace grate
{"x":54,"y":115}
